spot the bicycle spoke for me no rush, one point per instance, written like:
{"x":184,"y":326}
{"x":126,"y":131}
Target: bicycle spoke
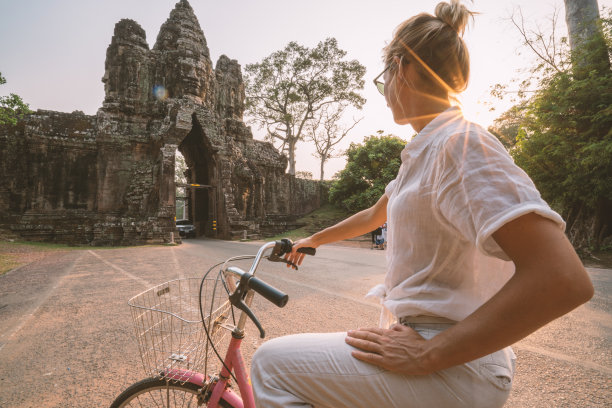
{"x":165,"y":396}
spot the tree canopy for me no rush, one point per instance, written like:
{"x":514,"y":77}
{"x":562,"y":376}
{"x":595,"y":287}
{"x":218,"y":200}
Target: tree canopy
{"x":12,"y":107}
{"x":562,"y":137}
{"x":326,"y":132}
{"x":369,"y":168}
{"x":290,"y":88}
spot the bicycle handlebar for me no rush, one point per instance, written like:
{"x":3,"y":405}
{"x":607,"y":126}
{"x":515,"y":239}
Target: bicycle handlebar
{"x":307,"y":250}
{"x":274,"y":295}
{"x":264,"y":289}
{"x":283,"y":247}
{"x":240,"y":296}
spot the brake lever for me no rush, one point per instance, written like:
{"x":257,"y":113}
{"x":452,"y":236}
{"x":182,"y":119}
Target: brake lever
{"x":282,"y":247}
{"x":237,"y":299}
{"x":242,"y":306}
{"x":276,"y":258}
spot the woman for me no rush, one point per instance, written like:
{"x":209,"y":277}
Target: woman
{"x":476,"y":259}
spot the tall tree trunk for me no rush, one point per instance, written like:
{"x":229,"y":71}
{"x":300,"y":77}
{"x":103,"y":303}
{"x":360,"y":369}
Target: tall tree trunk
{"x":581,"y":17}
{"x":603,"y":221}
{"x":292,"y":142}
{"x":323,"y":160}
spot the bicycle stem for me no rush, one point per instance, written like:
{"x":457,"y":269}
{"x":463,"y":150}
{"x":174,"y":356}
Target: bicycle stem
{"x":259,"y":255}
{"x":243,"y":314}
{"x":238,"y":272}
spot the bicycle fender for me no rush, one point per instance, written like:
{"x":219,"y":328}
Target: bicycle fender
{"x":185,"y":376}
{"x":232,"y":398}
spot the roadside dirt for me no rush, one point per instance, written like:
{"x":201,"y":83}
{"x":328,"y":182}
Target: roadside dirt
{"x":599,"y":260}
{"x":16,"y":255}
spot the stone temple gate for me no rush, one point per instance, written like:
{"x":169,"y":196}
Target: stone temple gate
{"x":109,"y":178}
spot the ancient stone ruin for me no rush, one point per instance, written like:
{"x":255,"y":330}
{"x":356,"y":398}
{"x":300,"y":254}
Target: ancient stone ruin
{"x":109,"y":178}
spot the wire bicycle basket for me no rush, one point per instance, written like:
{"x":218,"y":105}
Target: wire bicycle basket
{"x":172,"y":340}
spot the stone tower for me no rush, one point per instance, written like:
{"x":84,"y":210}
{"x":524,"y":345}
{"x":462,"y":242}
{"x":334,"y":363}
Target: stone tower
{"x":109,"y":178}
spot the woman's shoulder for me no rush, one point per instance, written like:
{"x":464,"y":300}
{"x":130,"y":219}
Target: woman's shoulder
{"x":464,"y":144}
{"x":464,"y":137}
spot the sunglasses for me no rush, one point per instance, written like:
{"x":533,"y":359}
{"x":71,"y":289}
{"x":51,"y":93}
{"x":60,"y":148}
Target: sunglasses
{"x":380,"y":85}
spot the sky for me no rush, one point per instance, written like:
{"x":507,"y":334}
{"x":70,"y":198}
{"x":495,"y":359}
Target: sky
{"x":52,"y":52}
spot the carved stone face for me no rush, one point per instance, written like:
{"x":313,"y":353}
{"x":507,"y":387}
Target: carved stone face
{"x":191,"y":72}
{"x":185,"y":68}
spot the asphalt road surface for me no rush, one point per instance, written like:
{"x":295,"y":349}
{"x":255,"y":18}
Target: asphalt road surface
{"x":66,"y":338}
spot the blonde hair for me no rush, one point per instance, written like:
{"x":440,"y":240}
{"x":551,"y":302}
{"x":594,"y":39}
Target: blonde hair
{"x":435,"y":43}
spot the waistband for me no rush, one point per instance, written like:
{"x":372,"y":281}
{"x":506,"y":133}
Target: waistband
{"x":425,"y":320}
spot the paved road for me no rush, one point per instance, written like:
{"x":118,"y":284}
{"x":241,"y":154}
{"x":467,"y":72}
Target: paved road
{"x":66,"y":338}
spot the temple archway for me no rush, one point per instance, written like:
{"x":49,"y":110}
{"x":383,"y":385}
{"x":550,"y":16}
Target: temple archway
{"x":201,"y":176}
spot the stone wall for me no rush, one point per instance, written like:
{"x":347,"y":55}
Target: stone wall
{"x":109,"y":178}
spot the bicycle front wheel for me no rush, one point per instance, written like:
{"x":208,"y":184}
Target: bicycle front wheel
{"x":156,"y":392}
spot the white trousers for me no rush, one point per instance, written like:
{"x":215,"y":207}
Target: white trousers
{"x":317,"y":370}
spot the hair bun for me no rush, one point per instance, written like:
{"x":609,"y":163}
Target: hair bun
{"x":455,"y":14}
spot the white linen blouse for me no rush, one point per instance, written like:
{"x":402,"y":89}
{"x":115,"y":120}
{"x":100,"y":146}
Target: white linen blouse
{"x":456,"y":186}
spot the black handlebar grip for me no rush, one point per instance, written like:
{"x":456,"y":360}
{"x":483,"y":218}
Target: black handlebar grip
{"x":269,"y":292}
{"x":307,"y":250}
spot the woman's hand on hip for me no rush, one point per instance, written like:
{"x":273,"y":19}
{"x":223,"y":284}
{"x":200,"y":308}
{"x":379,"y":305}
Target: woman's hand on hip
{"x":399,"y":349}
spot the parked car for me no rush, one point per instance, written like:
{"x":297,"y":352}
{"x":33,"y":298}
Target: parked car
{"x":186,"y":229}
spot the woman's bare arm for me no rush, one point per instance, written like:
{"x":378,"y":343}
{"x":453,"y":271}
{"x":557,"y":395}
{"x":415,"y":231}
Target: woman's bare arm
{"x":549,"y":281}
{"x":354,"y":226}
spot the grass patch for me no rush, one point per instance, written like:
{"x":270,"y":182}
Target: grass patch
{"x":16,"y":254}
{"x":315,"y":221}
{"x":293,"y":235}
{"x":36,"y":246}
{"x":8,"y":262}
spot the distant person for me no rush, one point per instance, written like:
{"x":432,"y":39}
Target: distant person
{"x":384,"y":235}
{"x":377,"y":237}
{"x":476,"y":259}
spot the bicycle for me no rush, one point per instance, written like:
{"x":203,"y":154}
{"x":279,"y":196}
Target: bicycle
{"x":176,"y":344}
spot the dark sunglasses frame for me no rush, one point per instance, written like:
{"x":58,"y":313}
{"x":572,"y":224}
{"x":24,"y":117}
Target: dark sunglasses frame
{"x":380,"y":85}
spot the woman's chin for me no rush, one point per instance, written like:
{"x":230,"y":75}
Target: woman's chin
{"x":402,"y":121}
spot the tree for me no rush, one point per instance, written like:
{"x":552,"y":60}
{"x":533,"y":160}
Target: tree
{"x":369,"y":168}
{"x":180,"y":168}
{"x":563,"y":137}
{"x":506,"y":127}
{"x":290,"y":88}
{"x":551,"y":51}
{"x":581,"y":17}
{"x":326,"y":132}
{"x":12,"y":107}
{"x":306,"y":175}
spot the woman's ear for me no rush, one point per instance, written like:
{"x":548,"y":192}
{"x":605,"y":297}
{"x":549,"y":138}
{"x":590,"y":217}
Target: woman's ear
{"x":405,"y":74}
{"x":399,"y":76}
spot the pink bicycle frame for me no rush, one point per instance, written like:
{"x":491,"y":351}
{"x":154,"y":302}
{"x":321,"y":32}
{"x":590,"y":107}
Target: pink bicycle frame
{"x":233,"y":359}
{"x":235,"y":362}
